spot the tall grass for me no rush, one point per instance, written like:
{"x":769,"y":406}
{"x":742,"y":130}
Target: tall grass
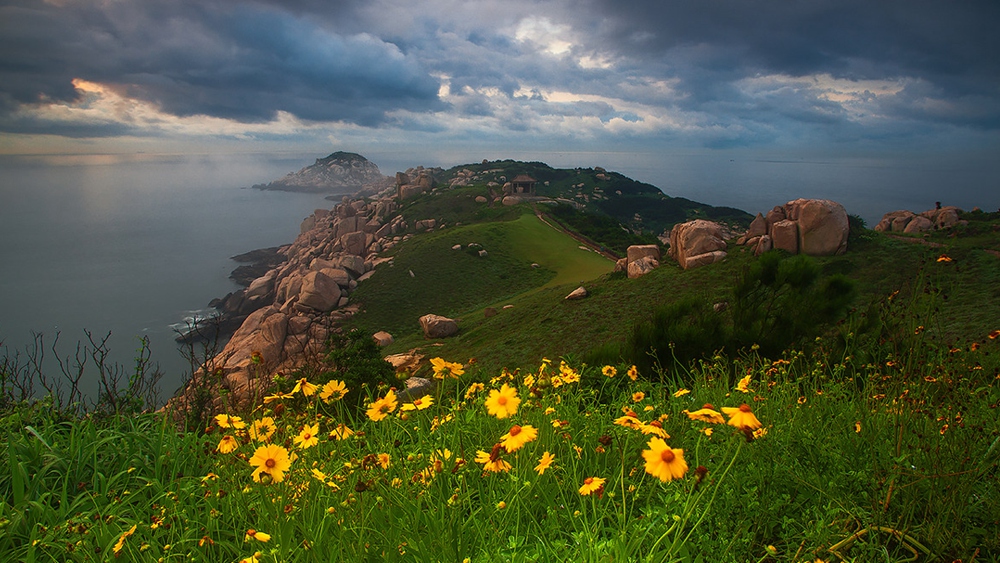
{"x":882,"y":461}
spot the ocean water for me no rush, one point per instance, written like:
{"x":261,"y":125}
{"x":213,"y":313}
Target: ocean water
{"x":132,"y":245}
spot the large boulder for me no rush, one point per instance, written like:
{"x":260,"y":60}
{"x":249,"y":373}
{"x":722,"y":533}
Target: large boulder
{"x":642,"y":266}
{"x":320,"y":292}
{"x":785,"y":236}
{"x":919,"y":224}
{"x":436,"y":326}
{"x":697,"y":243}
{"x":640,"y":259}
{"x":823,"y":226}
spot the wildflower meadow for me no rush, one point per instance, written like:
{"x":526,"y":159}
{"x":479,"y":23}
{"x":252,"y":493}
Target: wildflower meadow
{"x":811,"y":456}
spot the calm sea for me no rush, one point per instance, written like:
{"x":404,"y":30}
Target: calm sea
{"x":136,"y":245}
{"x":132,"y":245}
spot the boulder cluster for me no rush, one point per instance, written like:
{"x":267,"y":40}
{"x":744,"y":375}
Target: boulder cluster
{"x":415,"y":181}
{"x":697,"y":243}
{"x":293,"y":308}
{"x":909,"y":222}
{"x":817,"y":227}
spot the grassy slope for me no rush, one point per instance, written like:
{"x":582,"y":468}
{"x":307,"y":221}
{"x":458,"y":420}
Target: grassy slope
{"x":451,"y":282}
{"x":543,"y":323}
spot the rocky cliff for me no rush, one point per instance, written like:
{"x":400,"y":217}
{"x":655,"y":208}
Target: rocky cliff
{"x":340,"y":173}
{"x":293,"y":307}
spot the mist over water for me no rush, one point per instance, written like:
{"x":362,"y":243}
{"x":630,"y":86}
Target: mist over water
{"x":138,"y":244}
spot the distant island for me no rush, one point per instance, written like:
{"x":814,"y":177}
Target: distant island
{"x":338,"y":173}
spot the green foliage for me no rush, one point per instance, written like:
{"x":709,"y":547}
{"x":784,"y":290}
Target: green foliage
{"x":602,"y":229}
{"x":677,"y":335}
{"x":778,"y":301}
{"x":775,"y":302}
{"x":356,"y":359}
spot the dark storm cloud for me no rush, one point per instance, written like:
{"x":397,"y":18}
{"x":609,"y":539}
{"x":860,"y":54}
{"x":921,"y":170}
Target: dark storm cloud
{"x":244,"y":62}
{"x":950,"y":45}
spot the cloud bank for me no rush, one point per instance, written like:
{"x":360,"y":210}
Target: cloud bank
{"x":585,"y":73}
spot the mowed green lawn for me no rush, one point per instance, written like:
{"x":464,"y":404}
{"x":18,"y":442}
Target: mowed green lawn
{"x":555,"y":250}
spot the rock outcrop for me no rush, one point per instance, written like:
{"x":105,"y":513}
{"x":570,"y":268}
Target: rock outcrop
{"x":436,"y":326}
{"x":697,"y":243}
{"x":817,"y":227}
{"x":640,"y":259}
{"x":909,"y":222}
{"x":292,"y":309}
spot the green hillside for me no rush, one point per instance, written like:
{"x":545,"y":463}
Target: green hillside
{"x":961,"y":294}
{"x":428,"y":275}
{"x":640,"y":207}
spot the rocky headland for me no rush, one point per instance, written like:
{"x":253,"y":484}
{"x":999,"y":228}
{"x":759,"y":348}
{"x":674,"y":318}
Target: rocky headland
{"x":298,"y":294}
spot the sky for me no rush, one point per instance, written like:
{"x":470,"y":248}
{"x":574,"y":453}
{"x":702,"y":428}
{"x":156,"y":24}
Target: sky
{"x":449,"y":79}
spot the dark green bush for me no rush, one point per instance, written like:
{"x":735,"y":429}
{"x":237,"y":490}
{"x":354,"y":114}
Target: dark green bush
{"x":778,"y":300}
{"x":356,"y":359}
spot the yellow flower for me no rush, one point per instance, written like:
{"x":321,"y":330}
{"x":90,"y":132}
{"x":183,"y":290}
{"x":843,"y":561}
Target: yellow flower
{"x":681,"y":392}
{"x":654,"y":428}
{"x":319,"y":475}
{"x":592,"y":485}
{"x":473,"y":389}
{"x":518,"y":437}
{"x":384,"y":460}
{"x":120,"y":544}
{"x":444,"y":369}
{"x":227,"y":444}
{"x":629,"y":420}
{"x":568,"y":374}
{"x":743,"y":385}
{"x":333,"y":391}
{"x":255,"y":535}
{"x":271,"y":460}
{"x":226,"y":421}
{"x":633,"y":373}
{"x":308,"y":389}
{"x":664,"y":462}
{"x":501,"y":505}
{"x":529,"y":381}
{"x":277,"y":397}
{"x":706,"y":414}
{"x":993,"y":335}
{"x":262,"y":430}
{"x":503,"y":402}
{"x":307,"y":437}
{"x":491,"y":460}
{"x":944,"y":258}
{"x":418,"y":404}
{"x":742,"y":417}
{"x":545,"y":462}
{"x":609,"y":371}
{"x":638,"y":396}
{"x":341,"y":432}
{"x":382,"y":407}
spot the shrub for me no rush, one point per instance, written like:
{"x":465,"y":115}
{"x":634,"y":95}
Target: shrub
{"x":678,"y":333}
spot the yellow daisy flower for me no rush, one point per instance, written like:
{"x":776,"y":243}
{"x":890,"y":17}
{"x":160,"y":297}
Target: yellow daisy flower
{"x":664,"y":462}
{"x":518,"y":437}
{"x":503,"y":402}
